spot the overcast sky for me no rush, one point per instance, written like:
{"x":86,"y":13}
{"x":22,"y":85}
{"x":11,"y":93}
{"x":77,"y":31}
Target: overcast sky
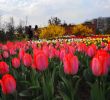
{"x":39,"y":11}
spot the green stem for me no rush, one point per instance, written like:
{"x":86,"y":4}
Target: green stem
{"x":15,"y":95}
{"x":4,"y":97}
{"x":32,"y":76}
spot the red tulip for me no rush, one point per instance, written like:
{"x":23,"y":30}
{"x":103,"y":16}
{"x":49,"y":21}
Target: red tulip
{"x":10,"y":44}
{"x":8,"y":84}
{"x":62,"y":54}
{"x":4,"y":68}
{"x":82,"y":47}
{"x":71,"y":49}
{"x":102,"y":44}
{"x":91,"y":50}
{"x":16,"y":62}
{"x":27,"y":60}
{"x":12,"y":52}
{"x":21,"y":53}
{"x":70,"y":64}
{"x":46,"y":50}
{"x":40,"y":61}
{"x":57,"y":53}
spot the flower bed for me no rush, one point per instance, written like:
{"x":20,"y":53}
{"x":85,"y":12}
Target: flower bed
{"x":69,"y":69}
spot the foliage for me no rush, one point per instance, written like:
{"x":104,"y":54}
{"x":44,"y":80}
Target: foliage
{"x":81,"y":30}
{"x":2,"y":36}
{"x":52,"y":31}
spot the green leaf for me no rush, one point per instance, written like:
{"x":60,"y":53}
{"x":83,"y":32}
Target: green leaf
{"x":64,"y":96}
{"x":38,"y":98}
{"x":24,"y":82}
{"x":25,"y":93}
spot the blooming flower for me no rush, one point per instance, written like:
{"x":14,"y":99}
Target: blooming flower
{"x":100,"y":63}
{"x":40,"y":61}
{"x":8,"y":84}
{"x":4,"y":68}
{"x":5,"y":54}
{"x":70,"y":64}
{"x":16,"y":62}
{"x":27,"y":60}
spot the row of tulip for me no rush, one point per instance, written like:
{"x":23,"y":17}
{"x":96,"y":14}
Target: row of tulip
{"x":55,"y":70}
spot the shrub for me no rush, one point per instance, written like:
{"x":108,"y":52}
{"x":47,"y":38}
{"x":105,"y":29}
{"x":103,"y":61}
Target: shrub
{"x":52,"y":31}
{"x":81,"y":30}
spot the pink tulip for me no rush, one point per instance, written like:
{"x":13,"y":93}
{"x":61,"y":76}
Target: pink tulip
{"x":46,"y":50}
{"x":51,"y":52}
{"x":5,"y":54}
{"x":16,"y":62}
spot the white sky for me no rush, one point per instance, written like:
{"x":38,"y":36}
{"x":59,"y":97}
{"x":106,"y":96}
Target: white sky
{"x":39,"y":11}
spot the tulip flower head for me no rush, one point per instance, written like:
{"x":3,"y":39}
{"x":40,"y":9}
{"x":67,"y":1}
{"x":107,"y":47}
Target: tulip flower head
{"x":5,"y":54}
{"x":4,"y":68}
{"x":8,"y":84}
{"x":70,"y":64}
{"x":16,"y":62}
{"x":100,"y":63}
{"x":27,"y":60}
{"x":40,"y":61}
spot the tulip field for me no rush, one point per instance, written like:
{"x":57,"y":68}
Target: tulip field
{"x":61,"y":69}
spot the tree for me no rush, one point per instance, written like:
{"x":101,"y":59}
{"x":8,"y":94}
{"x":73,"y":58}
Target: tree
{"x":81,"y":30}
{"x":0,"y":23}
{"x":52,"y":31}
{"x":10,"y":26}
{"x":10,"y":29}
{"x":54,"y":21}
{"x":20,"y":27}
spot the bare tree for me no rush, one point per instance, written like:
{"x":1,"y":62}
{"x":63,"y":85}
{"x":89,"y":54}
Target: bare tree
{"x":20,"y":27}
{"x":26,"y":20}
{"x":10,"y":26}
{"x":0,"y":22}
{"x":54,"y":21}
